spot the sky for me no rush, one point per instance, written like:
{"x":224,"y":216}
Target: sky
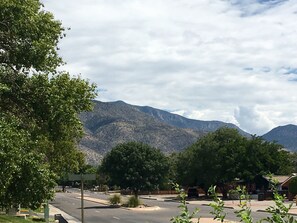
{"x":228,"y":60}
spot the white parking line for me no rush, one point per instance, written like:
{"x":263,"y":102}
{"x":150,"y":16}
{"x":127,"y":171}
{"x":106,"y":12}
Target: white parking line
{"x":116,"y":218}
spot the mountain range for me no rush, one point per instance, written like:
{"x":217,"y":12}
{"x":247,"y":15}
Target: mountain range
{"x":111,"y":123}
{"x":284,"y":135}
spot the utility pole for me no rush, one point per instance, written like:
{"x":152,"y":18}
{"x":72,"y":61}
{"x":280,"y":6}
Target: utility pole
{"x":82,"y":197}
{"x":82,"y":178}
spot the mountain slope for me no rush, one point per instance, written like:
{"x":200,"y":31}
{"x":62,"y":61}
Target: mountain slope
{"x":111,"y":123}
{"x":182,"y":122}
{"x":284,"y":135}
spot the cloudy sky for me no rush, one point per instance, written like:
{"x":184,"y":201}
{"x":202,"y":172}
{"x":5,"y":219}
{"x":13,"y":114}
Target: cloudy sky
{"x":228,"y":60}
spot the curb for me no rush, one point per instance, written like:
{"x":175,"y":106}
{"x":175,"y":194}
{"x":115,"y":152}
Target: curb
{"x":109,"y":205}
{"x":157,"y":199}
{"x":67,"y":217}
{"x":294,"y":214}
{"x":210,"y":206}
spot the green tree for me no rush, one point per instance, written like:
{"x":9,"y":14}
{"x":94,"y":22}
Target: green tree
{"x":24,"y":177}
{"x":263,"y":157}
{"x":212,"y":160}
{"x":293,"y":186}
{"x":28,"y":36}
{"x":47,"y":103}
{"x":136,"y":166}
{"x":221,"y":156}
{"x":42,"y":104}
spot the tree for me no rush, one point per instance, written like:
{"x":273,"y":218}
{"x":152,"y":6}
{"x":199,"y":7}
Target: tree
{"x":28,"y":36}
{"x":136,"y":166}
{"x":262,"y":157}
{"x":224,"y":155}
{"x":24,"y":177}
{"x":293,"y":186}
{"x":212,"y":159}
{"x":47,"y":102}
{"x":42,"y":104}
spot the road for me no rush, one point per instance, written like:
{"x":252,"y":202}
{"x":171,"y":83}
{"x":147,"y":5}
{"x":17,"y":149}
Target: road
{"x":98,"y":213}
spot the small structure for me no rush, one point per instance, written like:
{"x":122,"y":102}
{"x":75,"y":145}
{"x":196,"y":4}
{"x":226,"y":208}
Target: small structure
{"x":282,"y":181}
{"x":264,"y":184}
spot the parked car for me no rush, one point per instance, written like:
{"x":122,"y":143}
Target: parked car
{"x":193,"y":192}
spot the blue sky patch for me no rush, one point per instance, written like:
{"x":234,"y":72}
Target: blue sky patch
{"x":255,"y":7}
{"x":290,"y":70}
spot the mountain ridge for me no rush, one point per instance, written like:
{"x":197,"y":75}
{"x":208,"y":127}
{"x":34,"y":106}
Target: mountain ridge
{"x":183,"y":122}
{"x":111,"y":123}
{"x":285,"y":135}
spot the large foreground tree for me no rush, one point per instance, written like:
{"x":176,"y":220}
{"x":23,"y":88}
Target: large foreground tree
{"x":136,"y":166}
{"x":39,"y":106}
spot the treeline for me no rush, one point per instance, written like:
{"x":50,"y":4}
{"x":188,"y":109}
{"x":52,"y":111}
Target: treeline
{"x":219,"y":158}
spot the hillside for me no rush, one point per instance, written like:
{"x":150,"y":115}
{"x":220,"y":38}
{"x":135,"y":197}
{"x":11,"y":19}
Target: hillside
{"x":284,"y":135}
{"x":182,"y":122}
{"x":111,"y":123}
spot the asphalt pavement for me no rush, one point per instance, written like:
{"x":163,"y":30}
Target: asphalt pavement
{"x":160,"y":209}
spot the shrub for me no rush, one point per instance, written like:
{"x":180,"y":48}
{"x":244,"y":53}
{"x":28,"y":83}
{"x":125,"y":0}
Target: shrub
{"x":234,"y":195}
{"x":104,"y":188}
{"x":133,"y":202}
{"x":115,"y":199}
{"x":293,"y":186}
{"x":185,"y":216}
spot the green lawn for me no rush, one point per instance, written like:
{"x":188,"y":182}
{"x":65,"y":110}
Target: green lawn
{"x":11,"y":219}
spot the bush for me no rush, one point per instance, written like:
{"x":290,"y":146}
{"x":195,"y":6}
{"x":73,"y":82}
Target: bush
{"x":234,"y":195}
{"x":104,"y":188}
{"x":293,"y":186}
{"x":133,"y":202}
{"x":115,"y":199}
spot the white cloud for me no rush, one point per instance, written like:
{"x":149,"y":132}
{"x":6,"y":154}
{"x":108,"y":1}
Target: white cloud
{"x":252,"y":120}
{"x":205,"y":57}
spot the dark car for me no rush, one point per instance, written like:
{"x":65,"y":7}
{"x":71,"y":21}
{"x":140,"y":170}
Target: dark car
{"x":193,"y":192}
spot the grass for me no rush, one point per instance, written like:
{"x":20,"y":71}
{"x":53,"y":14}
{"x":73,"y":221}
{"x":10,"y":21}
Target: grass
{"x":12,"y":219}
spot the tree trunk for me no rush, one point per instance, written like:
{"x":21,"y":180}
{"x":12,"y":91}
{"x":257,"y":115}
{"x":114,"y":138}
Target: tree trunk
{"x":135,"y":192}
{"x":224,"y":190}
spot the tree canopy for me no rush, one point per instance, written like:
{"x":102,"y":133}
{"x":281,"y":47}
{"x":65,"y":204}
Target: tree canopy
{"x":39,"y":106}
{"x":136,"y":166}
{"x":224,"y":155}
{"x":29,"y":36}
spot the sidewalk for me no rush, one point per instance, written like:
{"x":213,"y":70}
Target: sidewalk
{"x":254,"y":204}
{"x":67,"y":217}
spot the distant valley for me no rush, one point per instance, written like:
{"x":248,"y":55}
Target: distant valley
{"x":111,"y":123}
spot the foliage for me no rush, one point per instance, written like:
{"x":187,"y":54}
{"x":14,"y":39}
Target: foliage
{"x":244,"y":213}
{"x":115,"y":199}
{"x":293,"y":186}
{"x":104,"y":188}
{"x":49,"y":108}
{"x":133,"y":202}
{"x":232,"y":156}
{"x":24,"y":177}
{"x":218,"y":205}
{"x":185,"y":216}
{"x":39,"y":107}
{"x":280,"y":212}
{"x":173,"y":160}
{"x":29,"y":36}
{"x":136,"y":166}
